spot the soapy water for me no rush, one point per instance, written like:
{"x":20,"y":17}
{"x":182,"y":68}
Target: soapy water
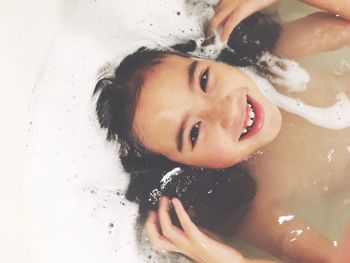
{"x":75,"y":182}
{"x":332,"y":117}
{"x":344,"y":67}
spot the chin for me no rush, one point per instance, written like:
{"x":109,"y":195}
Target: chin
{"x":222,"y":164}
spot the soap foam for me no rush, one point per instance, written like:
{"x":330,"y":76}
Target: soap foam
{"x":335,"y":116}
{"x":169,"y":176}
{"x":286,"y":72}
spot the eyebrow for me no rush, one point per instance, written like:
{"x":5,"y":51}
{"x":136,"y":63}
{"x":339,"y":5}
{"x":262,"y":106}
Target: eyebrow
{"x":190,"y":72}
{"x":191,"y":69}
{"x":180,"y":133}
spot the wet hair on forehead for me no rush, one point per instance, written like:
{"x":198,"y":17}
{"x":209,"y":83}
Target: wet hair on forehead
{"x":119,"y":94}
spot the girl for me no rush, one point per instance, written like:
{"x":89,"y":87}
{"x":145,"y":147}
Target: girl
{"x":206,"y":119}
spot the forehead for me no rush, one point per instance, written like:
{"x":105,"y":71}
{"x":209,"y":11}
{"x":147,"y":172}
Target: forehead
{"x":163,"y":101}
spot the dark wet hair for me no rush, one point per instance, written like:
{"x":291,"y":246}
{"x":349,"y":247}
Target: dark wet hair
{"x":116,"y":104}
{"x":216,"y":199}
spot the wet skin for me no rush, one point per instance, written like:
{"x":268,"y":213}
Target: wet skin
{"x":196,"y":111}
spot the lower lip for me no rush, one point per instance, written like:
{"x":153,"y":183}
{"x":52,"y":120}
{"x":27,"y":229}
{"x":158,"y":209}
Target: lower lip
{"x":258,"y":120}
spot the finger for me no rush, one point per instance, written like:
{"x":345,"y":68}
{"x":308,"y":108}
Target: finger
{"x":219,"y":5}
{"x":188,"y":226}
{"x":219,"y":18}
{"x":231,"y":22}
{"x":171,"y":232}
{"x":242,"y":11}
{"x":152,"y":219}
{"x":157,"y":241}
{"x":176,"y":236}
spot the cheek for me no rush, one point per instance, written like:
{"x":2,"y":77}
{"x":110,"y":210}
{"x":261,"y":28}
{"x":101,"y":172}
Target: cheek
{"x":220,"y":154}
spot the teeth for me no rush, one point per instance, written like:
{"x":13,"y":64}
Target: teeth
{"x":251,"y":119}
{"x":250,"y":122}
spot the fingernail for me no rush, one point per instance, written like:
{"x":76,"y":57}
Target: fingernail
{"x":223,"y":39}
{"x":163,"y":198}
{"x":175,"y":201}
{"x":151,"y":215}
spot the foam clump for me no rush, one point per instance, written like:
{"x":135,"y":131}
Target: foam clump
{"x":286,"y":72}
{"x":209,"y":48}
{"x":169,"y":176}
{"x":164,"y":183}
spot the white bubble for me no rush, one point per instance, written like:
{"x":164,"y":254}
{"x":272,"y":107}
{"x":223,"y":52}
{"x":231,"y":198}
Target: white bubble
{"x":283,"y":219}
{"x":347,"y":148}
{"x":287,"y":72}
{"x":330,"y":155}
{"x":333,"y":117}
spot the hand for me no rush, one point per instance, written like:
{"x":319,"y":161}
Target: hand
{"x":190,"y":241}
{"x":229,"y":13}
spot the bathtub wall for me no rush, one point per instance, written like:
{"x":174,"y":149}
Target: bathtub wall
{"x":27,"y":28}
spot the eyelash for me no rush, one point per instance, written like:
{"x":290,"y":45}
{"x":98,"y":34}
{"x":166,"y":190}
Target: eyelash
{"x":203,"y":80}
{"x":194,"y":133}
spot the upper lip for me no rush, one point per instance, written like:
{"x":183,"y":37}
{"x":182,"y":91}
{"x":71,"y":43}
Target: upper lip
{"x":245,"y":119}
{"x":242,"y":118}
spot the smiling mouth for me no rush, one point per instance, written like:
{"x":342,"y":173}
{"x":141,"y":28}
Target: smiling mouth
{"x":250,"y":120}
{"x":255,"y":116}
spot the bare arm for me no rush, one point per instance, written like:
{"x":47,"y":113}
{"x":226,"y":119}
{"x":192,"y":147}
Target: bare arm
{"x":312,"y":34}
{"x":339,"y":7}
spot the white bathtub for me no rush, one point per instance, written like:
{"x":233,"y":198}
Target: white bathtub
{"x":26,"y":30}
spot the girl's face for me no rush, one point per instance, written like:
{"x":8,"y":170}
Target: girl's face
{"x":203,"y":113}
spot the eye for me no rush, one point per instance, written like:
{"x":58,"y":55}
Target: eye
{"x":194,"y":134}
{"x":204,"y":80}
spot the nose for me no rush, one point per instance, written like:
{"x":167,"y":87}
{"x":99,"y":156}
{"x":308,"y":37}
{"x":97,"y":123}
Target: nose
{"x":225,"y":112}
{"x":222,"y":111}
